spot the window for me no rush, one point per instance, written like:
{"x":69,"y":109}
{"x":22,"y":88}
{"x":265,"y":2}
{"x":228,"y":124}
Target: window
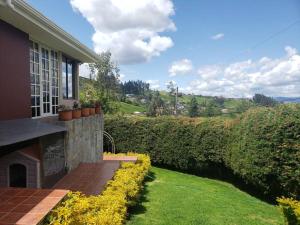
{"x":55,"y":80}
{"x":17,"y":175}
{"x":68,"y":78}
{"x":35,"y":79}
{"x":44,"y":74}
{"x":46,"y":81}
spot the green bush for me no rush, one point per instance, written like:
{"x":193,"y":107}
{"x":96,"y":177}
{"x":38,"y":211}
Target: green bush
{"x":110,"y":207}
{"x":265,"y":149}
{"x":290,"y":209}
{"x":262,"y":146}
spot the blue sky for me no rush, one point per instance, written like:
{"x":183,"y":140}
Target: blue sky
{"x":228,"y":66}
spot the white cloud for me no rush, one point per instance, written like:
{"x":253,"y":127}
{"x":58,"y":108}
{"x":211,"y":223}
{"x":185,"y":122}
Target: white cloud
{"x":129,"y":29}
{"x":218,"y":36}
{"x":180,"y":67}
{"x":122,"y":77}
{"x":290,"y":51}
{"x":154,"y":84}
{"x":84,"y":70}
{"x":274,"y":77}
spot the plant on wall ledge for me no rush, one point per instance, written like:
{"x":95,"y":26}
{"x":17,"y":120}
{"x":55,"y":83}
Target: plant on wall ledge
{"x":85,"y":109}
{"x":64,"y":113}
{"x":76,"y":113}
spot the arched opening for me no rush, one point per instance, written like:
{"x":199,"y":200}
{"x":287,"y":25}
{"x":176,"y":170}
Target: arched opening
{"x":17,"y":175}
{"x":108,"y":143}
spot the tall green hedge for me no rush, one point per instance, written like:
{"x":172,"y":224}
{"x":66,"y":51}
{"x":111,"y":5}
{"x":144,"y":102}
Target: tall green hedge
{"x":262,"y":146}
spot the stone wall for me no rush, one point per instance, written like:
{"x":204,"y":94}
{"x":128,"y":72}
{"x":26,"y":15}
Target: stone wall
{"x":53,"y":159}
{"x":84,"y":140}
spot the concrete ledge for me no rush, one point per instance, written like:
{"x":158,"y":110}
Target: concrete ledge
{"x":120,"y":158}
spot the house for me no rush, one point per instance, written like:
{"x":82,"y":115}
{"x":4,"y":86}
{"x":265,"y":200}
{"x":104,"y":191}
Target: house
{"x":39,"y":70}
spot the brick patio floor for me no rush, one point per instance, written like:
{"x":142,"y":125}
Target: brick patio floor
{"x":24,"y":206}
{"x":91,"y":178}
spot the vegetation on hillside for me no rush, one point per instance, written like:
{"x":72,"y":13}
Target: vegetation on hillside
{"x":106,"y":88}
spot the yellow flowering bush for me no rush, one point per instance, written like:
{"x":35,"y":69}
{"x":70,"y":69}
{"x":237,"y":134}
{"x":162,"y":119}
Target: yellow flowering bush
{"x":110,"y":207}
{"x":291,"y":210}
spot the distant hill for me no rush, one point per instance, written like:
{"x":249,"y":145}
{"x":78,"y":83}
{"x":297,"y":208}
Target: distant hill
{"x":288,"y":99}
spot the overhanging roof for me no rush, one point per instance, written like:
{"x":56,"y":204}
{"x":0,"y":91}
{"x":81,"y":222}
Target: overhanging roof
{"x":20,"y":130}
{"x":40,"y":28}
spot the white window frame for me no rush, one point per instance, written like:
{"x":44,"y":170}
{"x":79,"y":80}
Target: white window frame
{"x":40,"y":46}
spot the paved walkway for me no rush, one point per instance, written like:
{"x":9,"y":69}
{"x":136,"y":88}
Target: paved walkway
{"x":91,"y":178}
{"x":24,"y":206}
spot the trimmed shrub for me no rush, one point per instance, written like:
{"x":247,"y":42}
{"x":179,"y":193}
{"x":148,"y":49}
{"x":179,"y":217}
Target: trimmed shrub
{"x":109,"y":208}
{"x":290,"y":209}
{"x":265,"y":149}
{"x":180,"y":143}
{"x":262,"y":146}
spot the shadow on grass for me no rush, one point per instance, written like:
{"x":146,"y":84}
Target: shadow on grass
{"x":222,"y":173}
{"x":139,"y":208}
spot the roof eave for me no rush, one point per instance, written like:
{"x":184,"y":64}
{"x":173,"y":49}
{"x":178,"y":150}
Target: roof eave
{"x":25,"y":10}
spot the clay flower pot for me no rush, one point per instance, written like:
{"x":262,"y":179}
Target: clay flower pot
{"x":65,"y":115}
{"x":85,"y":112}
{"x":92,"y":111}
{"x":76,"y":113}
{"x":98,"y":109}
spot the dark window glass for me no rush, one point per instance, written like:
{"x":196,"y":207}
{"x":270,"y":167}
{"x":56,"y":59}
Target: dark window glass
{"x":68,"y":77}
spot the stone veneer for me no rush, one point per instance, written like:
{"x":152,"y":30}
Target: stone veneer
{"x":84,"y":140}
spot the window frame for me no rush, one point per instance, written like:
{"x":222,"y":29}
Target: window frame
{"x":67,"y":60}
{"x":51,"y":75}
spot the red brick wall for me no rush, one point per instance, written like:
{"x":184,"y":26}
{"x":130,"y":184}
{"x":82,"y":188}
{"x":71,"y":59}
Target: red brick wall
{"x":14,"y":73}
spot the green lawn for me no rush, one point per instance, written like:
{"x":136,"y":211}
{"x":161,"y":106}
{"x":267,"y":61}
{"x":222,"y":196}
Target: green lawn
{"x":129,"y":108}
{"x":174,"y":198}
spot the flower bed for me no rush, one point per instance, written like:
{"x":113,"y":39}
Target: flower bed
{"x":290,"y":209}
{"x":109,"y":208}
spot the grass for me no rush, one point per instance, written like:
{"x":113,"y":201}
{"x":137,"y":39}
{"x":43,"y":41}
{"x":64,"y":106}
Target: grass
{"x":129,"y":108}
{"x":176,"y":198}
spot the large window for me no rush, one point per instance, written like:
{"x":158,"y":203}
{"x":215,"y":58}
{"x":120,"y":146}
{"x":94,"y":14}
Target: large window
{"x":35,"y":79}
{"x":46,"y":81}
{"x":68,"y":78}
{"x":44,"y":74}
{"x":55,"y":80}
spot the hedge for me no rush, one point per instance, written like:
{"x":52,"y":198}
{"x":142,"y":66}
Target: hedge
{"x":109,"y":208}
{"x":261,"y":147}
{"x":291,"y":210}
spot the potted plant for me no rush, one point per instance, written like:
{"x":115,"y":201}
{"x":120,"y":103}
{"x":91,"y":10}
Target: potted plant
{"x":98,"y":107}
{"x":85,"y":109}
{"x":64,"y":113}
{"x":92,"y":108}
{"x":76,"y":113}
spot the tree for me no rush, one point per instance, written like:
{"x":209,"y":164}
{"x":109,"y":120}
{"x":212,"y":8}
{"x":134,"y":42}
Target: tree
{"x":156,"y":106}
{"x":193,"y":107}
{"x":172,"y":93}
{"x":263,"y":100}
{"x":211,"y":108}
{"x":106,"y":85}
{"x":243,"y":105}
{"x":137,"y":87}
